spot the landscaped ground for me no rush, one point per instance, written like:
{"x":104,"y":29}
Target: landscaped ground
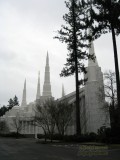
{"x":28,"y":149}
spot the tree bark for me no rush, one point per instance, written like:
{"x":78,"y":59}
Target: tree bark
{"x":116,"y":66}
{"x":78,"y":127}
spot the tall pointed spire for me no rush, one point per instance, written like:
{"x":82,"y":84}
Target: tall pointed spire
{"x":63,"y":91}
{"x":92,"y":62}
{"x":47,"y":59}
{"x":47,"y":86}
{"x":38,"y":87}
{"x":92,"y":52}
{"x":24,"y":103}
{"x":92,"y":69}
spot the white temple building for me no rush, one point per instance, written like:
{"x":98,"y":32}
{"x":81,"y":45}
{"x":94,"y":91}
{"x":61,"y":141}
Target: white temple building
{"x":91,"y":112}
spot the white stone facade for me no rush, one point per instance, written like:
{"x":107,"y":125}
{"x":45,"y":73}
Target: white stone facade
{"x":92,"y":114}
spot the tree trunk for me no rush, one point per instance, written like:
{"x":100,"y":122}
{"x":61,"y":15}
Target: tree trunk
{"x":44,"y":134}
{"x":17,"y":134}
{"x":51,"y":137}
{"x":116,"y":66}
{"x":78,"y":128}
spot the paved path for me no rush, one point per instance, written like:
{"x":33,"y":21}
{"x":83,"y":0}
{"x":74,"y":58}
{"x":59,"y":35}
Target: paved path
{"x":28,"y":149}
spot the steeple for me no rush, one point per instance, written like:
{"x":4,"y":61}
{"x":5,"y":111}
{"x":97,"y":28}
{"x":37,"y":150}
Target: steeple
{"x":47,"y":86}
{"x":24,"y":103}
{"x":63,"y":91}
{"x":38,"y":87}
{"x":47,"y":59}
{"x":92,"y":62}
{"x":92,"y":69}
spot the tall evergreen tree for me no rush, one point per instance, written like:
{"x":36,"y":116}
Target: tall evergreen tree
{"x":103,"y":16}
{"x":71,"y":34}
{"x":11,"y":103}
{"x":15,"y":101}
{"x":3,"y":110}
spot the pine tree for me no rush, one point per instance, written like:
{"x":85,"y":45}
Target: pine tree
{"x":15,"y":101}
{"x":11,"y":103}
{"x":103,"y":16}
{"x":3,"y":110}
{"x":71,"y":34}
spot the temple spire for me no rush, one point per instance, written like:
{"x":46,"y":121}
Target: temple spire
{"x":63,"y":91}
{"x":92,"y":62}
{"x":24,"y":103}
{"x":38,"y":87}
{"x":47,"y":59}
{"x":47,"y":86}
{"x":92,"y":69}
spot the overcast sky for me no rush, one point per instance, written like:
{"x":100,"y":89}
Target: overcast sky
{"x":27,"y":28}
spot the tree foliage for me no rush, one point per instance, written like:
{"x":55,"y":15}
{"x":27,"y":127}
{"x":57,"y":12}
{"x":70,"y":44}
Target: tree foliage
{"x":3,"y":127}
{"x":71,"y":34}
{"x":11,"y":103}
{"x":110,"y":87}
{"x":15,"y":101}
{"x":44,"y":116}
{"x":53,"y":115}
{"x":3,"y":110}
{"x":17,"y":123}
{"x":101,"y":16}
{"x":111,"y":96}
{"x":63,"y":116}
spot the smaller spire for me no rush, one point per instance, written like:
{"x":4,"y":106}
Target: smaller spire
{"x":24,"y":103}
{"x":38,"y":87}
{"x":63,"y":91}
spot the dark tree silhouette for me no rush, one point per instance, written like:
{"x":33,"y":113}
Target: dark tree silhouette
{"x":15,"y":101}
{"x":53,"y":113}
{"x":110,"y":94}
{"x":3,"y":110}
{"x":110,"y":87}
{"x":3,"y":127}
{"x":44,"y":117}
{"x":71,"y":34}
{"x":11,"y":103}
{"x":63,"y":116}
{"x":103,"y":16}
{"x":17,"y":124}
